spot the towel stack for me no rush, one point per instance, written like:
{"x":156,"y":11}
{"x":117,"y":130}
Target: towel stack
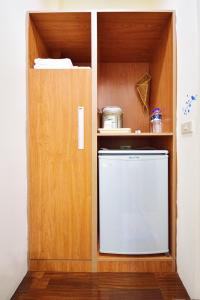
{"x":51,"y":63}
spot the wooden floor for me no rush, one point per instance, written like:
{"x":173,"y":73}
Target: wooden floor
{"x":104,"y":286}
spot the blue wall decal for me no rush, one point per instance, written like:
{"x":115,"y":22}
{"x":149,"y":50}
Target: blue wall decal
{"x":188,"y":104}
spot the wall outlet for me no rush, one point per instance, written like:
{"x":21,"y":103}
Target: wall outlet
{"x":187,"y":127}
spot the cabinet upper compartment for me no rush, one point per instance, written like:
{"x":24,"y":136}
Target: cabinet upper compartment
{"x":59,"y":35}
{"x":130,"y":36}
{"x":131,"y":44}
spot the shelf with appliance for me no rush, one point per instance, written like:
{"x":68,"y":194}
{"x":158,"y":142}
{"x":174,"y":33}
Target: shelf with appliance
{"x":142,"y":43}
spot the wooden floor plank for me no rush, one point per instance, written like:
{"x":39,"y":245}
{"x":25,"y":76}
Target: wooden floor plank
{"x":101,"y":286}
{"x":171,"y":286}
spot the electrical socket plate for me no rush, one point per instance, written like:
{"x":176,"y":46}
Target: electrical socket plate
{"x":187,"y":127}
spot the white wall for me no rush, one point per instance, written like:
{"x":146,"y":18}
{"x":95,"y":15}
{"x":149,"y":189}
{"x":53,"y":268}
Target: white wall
{"x":13,"y":217}
{"x":188,"y":240}
{"x":13,"y":208}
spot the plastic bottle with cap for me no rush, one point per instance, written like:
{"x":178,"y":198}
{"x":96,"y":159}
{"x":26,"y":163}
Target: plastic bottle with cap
{"x":156,"y":120}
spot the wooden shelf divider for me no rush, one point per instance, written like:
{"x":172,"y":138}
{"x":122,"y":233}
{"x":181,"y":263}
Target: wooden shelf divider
{"x":143,"y":134}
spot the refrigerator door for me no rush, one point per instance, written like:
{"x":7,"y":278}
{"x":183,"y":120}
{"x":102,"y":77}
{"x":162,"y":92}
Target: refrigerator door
{"x":133,"y":204}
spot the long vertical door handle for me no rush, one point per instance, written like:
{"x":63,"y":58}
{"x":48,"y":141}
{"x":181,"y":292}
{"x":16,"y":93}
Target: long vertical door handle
{"x":80,"y":127}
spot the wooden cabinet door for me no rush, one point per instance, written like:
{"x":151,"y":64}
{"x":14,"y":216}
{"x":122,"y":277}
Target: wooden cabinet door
{"x":59,"y":172}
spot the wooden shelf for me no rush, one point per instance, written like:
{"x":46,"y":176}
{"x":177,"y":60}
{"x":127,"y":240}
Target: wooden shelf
{"x":145,"y":134}
{"x":134,"y":263}
{"x":123,"y":258}
{"x":116,"y":257}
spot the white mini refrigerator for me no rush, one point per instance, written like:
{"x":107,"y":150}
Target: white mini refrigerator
{"x":133,"y":201}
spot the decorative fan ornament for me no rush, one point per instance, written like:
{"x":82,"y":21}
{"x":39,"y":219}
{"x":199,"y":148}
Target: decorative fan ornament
{"x":143,"y":88}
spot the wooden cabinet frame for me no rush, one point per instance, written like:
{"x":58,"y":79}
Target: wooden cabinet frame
{"x":93,"y":54}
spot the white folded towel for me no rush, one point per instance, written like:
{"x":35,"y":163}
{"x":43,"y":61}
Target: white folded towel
{"x":51,"y":63}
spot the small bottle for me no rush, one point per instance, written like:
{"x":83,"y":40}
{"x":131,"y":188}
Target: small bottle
{"x":156,"y":120}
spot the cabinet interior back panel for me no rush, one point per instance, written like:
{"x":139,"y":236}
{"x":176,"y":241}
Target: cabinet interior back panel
{"x":117,"y":87}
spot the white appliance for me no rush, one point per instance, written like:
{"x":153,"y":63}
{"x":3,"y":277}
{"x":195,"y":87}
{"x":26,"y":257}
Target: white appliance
{"x":133,"y":201}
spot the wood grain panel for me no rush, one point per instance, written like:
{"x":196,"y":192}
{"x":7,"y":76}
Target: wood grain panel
{"x":117,"y":86}
{"x":174,"y":149}
{"x":129,"y":36}
{"x":173,"y":202}
{"x":135,"y":266}
{"x":58,"y":265}
{"x":169,"y":144}
{"x":36,"y":46}
{"x":59,"y":173}
{"x":135,"y":135}
{"x":171,"y":286}
{"x":104,"y":286}
{"x":161,"y":70}
{"x":94,"y":139}
{"x":66,"y":34}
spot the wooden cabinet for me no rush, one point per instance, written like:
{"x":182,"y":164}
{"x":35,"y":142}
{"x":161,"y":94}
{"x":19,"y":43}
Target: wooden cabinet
{"x":59,"y":172}
{"x":112,"y":51}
